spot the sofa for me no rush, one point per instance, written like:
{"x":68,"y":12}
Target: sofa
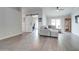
{"x":48,"y":31}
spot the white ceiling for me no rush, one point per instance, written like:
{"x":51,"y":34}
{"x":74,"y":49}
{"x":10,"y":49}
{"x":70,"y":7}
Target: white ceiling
{"x":16,"y":8}
{"x":32,"y":10}
{"x":50,"y":11}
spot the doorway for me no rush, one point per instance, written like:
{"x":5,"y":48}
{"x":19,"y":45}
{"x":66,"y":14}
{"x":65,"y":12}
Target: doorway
{"x":30,"y":23}
{"x":35,"y":22}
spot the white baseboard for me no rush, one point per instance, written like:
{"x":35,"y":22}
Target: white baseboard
{"x":76,"y":34}
{"x":10,"y":36}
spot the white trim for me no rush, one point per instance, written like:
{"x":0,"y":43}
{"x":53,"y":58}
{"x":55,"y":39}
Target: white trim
{"x":10,"y":36}
{"x":76,"y":34}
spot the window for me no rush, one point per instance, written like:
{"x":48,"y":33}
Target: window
{"x":53,"y":22}
{"x":56,"y":22}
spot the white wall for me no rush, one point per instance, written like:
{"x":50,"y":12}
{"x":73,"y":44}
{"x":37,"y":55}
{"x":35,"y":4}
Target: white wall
{"x":28,"y":11}
{"x":29,"y":22}
{"x":62,"y":21}
{"x":44,"y":18}
{"x":10,"y":22}
{"x":75,"y":26}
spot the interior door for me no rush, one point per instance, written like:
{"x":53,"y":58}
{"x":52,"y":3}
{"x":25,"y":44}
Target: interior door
{"x":29,"y":23}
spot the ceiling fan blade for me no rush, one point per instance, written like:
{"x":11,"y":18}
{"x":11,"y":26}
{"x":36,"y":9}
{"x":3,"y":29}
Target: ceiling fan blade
{"x":59,"y":8}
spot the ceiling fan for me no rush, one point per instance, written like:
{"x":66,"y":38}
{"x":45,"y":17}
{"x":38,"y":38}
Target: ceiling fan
{"x":59,"y":8}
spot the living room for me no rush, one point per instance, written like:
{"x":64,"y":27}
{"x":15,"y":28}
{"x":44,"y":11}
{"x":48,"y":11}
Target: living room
{"x":56,"y":23}
{"x":39,"y":28}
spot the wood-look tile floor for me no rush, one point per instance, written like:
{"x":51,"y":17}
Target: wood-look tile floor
{"x":34,"y":42}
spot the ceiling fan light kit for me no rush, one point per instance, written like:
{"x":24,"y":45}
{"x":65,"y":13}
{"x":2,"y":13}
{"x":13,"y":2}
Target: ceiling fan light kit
{"x":59,"y":9}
